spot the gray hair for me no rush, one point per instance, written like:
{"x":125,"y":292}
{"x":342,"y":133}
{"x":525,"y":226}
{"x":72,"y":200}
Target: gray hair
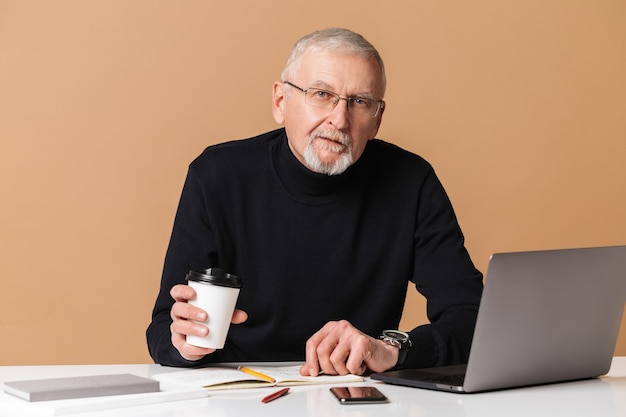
{"x":334,"y":39}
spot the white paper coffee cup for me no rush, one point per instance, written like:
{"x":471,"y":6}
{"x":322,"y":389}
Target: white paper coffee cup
{"x":216,"y":293}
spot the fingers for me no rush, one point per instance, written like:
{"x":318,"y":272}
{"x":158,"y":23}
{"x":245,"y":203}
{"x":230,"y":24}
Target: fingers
{"x":239,"y":316}
{"x":182,"y":325}
{"x":313,"y":352}
{"x":337,"y":349}
{"x":182,"y":292}
{"x":187,"y":319}
{"x":181,"y":328}
{"x":340,"y":348}
{"x":360,"y":354}
{"x":187,"y":351}
{"x":182,"y":310}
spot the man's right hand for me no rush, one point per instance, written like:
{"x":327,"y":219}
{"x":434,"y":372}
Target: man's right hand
{"x":183,"y":313}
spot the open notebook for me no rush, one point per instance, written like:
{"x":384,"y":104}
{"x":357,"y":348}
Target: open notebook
{"x":232,"y":377}
{"x":545,"y":316}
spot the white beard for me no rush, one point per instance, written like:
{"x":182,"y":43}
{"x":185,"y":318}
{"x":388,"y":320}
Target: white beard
{"x":339,"y":165}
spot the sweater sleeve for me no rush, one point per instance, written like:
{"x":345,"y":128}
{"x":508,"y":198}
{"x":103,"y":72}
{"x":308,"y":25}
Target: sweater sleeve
{"x":446,"y":276}
{"x":191,"y":247}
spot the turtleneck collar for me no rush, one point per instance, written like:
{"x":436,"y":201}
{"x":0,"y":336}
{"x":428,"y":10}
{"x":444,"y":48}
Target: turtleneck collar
{"x":310,"y":186}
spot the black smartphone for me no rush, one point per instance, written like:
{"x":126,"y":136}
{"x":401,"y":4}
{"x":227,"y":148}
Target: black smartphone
{"x":359,"y":395}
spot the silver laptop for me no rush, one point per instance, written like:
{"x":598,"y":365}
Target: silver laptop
{"x":545,"y":316}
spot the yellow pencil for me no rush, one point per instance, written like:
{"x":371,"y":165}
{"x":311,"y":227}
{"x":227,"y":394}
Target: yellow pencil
{"x":257,"y":374}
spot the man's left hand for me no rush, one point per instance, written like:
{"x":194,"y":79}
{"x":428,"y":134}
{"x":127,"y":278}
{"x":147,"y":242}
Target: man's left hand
{"x":339,"y":348}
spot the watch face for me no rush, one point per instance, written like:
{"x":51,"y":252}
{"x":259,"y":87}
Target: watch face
{"x":396,"y":334}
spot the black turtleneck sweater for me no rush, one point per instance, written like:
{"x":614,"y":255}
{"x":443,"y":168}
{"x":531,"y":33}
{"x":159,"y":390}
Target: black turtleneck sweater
{"x":312,"y":248}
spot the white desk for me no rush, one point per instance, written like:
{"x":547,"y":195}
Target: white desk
{"x":605,"y":396}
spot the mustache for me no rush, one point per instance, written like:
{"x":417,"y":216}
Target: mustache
{"x":333,"y":135}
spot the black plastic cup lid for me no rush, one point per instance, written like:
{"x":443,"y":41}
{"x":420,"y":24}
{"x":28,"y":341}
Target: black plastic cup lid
{"x":215,"y":276}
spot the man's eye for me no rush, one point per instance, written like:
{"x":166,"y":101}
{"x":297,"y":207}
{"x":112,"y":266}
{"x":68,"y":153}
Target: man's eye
{"x":361,"y":102}
{"x":322,"y":94}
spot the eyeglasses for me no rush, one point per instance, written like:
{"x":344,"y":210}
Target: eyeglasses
{"x":358,"y":106}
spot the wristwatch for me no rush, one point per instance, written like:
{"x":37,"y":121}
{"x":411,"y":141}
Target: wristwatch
{"x":399,"y":339}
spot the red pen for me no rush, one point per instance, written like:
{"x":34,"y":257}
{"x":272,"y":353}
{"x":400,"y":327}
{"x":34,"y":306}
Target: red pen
{"x":275,"y":395}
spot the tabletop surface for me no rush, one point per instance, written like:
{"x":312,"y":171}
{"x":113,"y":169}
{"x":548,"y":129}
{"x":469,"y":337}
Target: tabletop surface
{"x":604,"y":396}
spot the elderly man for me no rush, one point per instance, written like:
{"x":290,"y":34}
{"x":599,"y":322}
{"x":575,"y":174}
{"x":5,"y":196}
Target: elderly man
{"x":325,"y":226}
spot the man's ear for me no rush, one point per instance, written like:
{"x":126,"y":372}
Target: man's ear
{"x":278,"y":102}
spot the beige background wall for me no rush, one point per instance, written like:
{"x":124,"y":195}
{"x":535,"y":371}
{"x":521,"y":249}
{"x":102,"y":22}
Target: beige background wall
{"x":520,"y":105}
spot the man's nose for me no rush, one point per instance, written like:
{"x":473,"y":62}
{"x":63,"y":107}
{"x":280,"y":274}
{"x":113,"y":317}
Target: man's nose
{"x":340,"y":115}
